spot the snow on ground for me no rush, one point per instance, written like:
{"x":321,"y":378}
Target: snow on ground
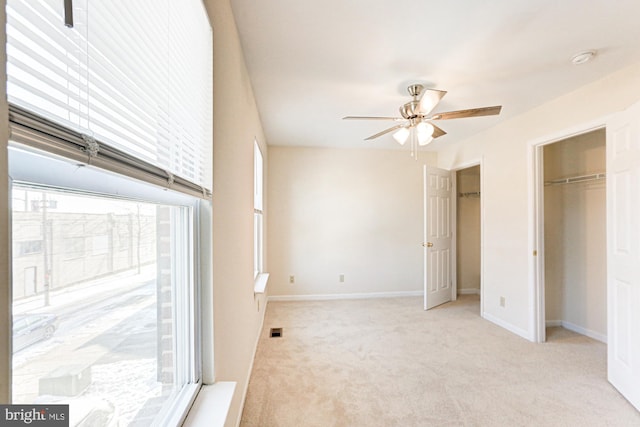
{"x":138,"y":375}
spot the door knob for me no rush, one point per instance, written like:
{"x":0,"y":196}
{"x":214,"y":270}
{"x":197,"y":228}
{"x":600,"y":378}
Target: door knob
{"x":427,"y":245}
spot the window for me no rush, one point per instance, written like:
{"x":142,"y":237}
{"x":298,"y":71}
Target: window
{"x":73,"y":247}
{"x":110,"y":161}
{"x":260,"y":277}
{"x":111,"y":330}
{"x":258,"y":189}
{"x":29,"y":247}
{"x":100,"y":245}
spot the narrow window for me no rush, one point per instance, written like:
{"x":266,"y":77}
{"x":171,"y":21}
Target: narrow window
{"x":258,"y":214}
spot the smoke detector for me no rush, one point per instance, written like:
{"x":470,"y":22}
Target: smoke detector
{"x":583,"y":57}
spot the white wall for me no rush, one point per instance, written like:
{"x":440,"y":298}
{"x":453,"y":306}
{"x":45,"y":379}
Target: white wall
{"x":575,"y":235}
{"x":237,"y":315}
{"x":341,"y":211}
{"x":508,"y":253}
{"x":468,"y":231}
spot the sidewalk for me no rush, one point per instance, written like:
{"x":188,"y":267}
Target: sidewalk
{"x":81,"y":291}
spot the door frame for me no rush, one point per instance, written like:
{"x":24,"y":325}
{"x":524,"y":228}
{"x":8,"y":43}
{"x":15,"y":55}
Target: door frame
{"x":535,"y":179}
{"x":454,"y":220}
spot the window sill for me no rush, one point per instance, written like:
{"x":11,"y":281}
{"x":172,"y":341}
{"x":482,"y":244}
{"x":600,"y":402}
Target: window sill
{"x":211,"y":406}
{"x":260,"y":284}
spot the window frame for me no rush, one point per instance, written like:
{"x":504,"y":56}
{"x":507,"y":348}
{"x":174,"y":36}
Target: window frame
{"x":59,"y":173}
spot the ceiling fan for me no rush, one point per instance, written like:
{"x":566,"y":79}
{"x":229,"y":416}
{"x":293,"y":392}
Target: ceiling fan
{"x":416,"y":117}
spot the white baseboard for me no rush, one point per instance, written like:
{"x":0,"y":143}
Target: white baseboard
{"x":578,"y":329}
{"x":324,"y":297}
{"x":469,"y":291}
{"x":508,"y":326}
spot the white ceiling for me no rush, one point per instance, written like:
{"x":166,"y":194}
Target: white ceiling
{"x":313,"y":62}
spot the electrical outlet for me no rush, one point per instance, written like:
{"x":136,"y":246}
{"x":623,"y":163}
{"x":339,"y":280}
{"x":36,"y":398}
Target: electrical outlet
{"x":342,"y":278}
{"x":292,"y":279}
{"x":502,"y":301}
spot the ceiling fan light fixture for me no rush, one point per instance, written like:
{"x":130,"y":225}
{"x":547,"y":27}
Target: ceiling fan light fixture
{"x":425,"y":128}
{"x":401,"y":135}
{"x":425,"y":133}
{"x":424,"y":141}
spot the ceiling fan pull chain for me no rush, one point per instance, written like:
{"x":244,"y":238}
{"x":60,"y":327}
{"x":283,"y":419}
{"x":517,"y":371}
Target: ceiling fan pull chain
{"x":414,"y":144}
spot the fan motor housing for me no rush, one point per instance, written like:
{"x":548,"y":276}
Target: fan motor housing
{"x":410,"y":110}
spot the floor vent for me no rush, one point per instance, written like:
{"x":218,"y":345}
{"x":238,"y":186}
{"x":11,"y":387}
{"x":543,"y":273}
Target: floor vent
{"x":275,"y":332}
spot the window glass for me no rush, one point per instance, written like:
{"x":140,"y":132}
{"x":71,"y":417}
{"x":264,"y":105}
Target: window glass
{"x":258,"y":188}
{"x":258,"y":183}
{"x":101,"y":312}
{"x":29,"y":247}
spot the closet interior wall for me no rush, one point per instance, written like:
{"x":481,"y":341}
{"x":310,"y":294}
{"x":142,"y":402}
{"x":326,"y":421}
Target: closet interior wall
{"x":575,"y":234}
{"x":468,"y":230}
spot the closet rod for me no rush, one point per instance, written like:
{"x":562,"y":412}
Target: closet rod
{"x":470,"y":194}
{"x":576,"y":179}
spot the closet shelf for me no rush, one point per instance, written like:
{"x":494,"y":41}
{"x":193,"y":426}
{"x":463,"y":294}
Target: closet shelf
{"x":577,"y":179}
{"x":469,"y":194}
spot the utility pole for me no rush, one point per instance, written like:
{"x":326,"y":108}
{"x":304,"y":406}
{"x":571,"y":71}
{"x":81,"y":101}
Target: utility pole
{"x":139,"y":236}
{"x":45,"y":251}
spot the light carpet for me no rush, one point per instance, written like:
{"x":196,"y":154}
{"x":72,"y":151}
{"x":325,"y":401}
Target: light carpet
{"x":386,"y":362}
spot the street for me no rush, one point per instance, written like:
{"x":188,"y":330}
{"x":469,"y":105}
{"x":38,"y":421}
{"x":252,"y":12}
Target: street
{"x":108,"y":329}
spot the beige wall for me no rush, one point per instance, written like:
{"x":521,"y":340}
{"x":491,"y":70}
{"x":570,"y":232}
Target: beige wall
{"x":341,"y":211}
{"x":575,"y":234}
{"x":468,"y":230}
{"x":505,"y":154}
{"x":237,"y":314}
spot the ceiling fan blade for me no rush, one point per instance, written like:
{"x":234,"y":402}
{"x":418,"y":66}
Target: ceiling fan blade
{"x":472,"y":112}
{"x":397,"y":119}
{"x":430,"y":98}
{"x":384,"y":132}
{"x":437,"y":131}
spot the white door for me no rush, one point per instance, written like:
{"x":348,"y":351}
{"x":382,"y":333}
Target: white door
{"x":30,"y":281}
{"x":623,"y":253}
{"x":438,"y":188}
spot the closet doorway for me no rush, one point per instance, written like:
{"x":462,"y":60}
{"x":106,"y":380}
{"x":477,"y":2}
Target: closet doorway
{"x":575,"y":237}
{"x":468,"y":231}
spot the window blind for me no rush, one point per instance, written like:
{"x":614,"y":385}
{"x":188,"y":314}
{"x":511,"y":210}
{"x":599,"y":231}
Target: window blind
{"x":134,"y":75}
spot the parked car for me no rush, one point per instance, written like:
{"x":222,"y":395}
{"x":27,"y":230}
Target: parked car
{"x":31,"y":328}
